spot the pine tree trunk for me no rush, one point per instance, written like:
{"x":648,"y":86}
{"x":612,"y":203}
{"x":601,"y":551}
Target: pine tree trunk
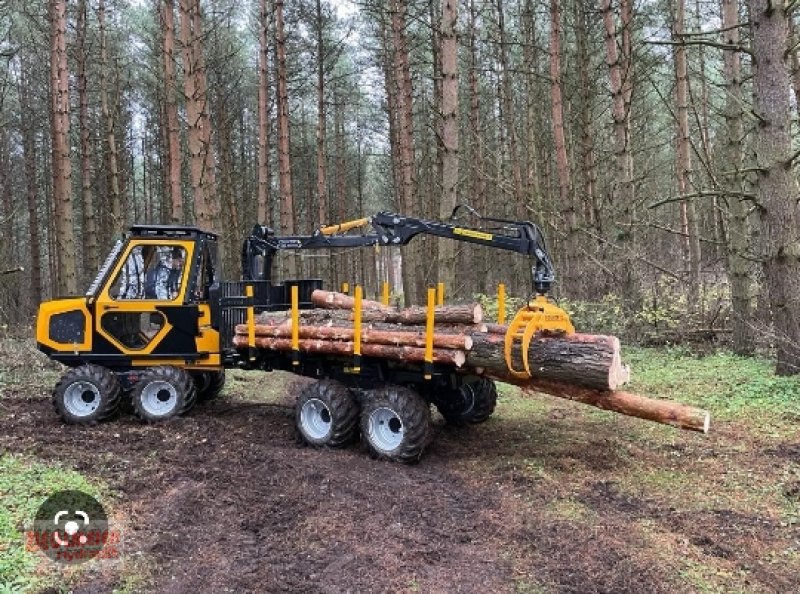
{"x":173,"y":144}
{"x":112,"y":155}
{"x":64,"y":245}
{"x":31,"y":193}
{"x":689,"y":227}
{"x":776,"y":189}
{"x":264,"y":207}
{"x":450,"y":140}
{"x":738,"y":229}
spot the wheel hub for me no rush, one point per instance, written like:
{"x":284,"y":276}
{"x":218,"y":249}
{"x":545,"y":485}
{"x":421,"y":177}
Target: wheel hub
{"x":159,"y":398}
{"x":315,"y":419}
{"x":386,"y":429}
{"x":81,"y":399}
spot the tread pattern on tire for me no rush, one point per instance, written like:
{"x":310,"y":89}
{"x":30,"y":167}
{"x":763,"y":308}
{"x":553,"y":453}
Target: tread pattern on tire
{"x":106,"y":383}
{"x":415,"y":414}
{"x":343,"y":408}
{"x":179,"y":378}
{"x":485,"y":401}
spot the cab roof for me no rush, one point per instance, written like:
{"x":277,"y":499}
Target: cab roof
{"x":171,"y":231}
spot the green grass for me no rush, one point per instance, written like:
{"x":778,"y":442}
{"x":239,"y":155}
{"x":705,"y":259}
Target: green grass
{"x":728,"y":385}
{"x":24,"y":485}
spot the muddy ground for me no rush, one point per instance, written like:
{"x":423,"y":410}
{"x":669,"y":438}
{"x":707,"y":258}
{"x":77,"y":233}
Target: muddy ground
{"x":546,"y":496}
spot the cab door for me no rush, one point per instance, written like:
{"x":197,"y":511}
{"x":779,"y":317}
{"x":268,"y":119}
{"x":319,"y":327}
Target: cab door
{"x":142,"y":313}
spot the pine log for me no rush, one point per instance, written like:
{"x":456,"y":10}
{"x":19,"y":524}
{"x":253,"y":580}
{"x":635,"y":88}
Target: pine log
{"x":334,"y":347}
{"x":334,"y":300}
{"x":446,"y":314}
{"x":368,"y":335}
{"x":625,"y":403}
{"x":344,"y":319}
{"x":588,"y":360}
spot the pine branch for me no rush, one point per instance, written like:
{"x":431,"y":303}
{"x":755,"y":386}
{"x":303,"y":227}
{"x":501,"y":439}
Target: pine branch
{"x":708,"y":42}
{"x":703,"y":194}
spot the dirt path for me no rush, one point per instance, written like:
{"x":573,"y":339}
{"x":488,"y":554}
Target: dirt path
{"x":225,"y":501}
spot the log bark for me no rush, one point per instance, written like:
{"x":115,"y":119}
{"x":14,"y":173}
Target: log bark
{"x":368,"y":335}
{"x":382,"y":351}
{"x":372,"y":311}
{"x":587,"y":360}
{"x":344,"y":319}
{"x":334,"y":300}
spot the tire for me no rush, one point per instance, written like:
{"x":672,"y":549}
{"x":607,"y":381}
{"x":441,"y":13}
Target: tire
{"x":396,"y":424}
{"x":87,"y":395}
{"x":209,"y":384}
{"x":473,"y":402}
{"x":326,"y":415}
{"x":163,"y":393}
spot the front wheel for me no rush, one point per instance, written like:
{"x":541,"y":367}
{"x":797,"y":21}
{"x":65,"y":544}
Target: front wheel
{"x":162,"y":393}
{"x":87,"y":395}
{"x":396,"y":424}
{"x":326,"y":414}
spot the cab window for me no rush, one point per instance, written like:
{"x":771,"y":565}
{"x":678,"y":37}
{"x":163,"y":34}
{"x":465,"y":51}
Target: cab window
{"x":150,"y":272}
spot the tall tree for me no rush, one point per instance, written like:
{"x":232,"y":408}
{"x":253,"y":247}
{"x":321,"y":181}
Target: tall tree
{"x":173,"y":144}
{"x":450,"y":140}
{"x":111,"y":154}
{"x":776,"y":188}
{"x":264,"y":210}
{"x":195,"y":87}
{"x":566,"y":205}
{"x":67,"y":280}
{"x":689,"y":227}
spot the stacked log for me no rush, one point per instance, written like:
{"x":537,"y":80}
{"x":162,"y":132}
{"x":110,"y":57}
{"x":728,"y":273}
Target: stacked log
{"x":581,"y":367}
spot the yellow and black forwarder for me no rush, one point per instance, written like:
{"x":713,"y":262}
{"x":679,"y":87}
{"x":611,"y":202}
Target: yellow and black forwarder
{"x":157,"y":325}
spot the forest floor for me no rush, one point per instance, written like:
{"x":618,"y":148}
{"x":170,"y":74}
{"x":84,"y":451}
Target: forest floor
{"x":546,"y":496}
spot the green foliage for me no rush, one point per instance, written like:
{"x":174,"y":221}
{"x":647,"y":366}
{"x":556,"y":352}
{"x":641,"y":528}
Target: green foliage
{"x":489,"y":305}
{"x":727,"y":384}
{"x":24,"y":485}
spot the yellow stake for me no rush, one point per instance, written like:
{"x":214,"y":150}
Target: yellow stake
{"x":251,"y":318}
{"x":429,"y":328}
{"x":385,"y":296}
{"x":346,"y":288}
{"x":295,"y":323}
{"x":357,"y":325}
{"x":501,"y":303}
{"x":440,"y":294}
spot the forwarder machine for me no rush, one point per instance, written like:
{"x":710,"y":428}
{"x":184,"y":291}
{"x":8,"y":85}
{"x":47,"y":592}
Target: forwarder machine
{"x":156,"y":326}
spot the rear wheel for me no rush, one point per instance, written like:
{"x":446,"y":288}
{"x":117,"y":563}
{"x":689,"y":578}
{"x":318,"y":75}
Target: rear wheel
{"x":87,"y":395}
{"x":473,"y":402}
{"x":326,"y":414}
{"x":162,"y":393}
{"x":396,"y":424}
{"x":209,"y":384}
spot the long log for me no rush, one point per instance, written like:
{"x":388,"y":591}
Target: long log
{"x":588,"y":360}
{"x":335,"y":347}
{"x":368,"y":335}
{"x":626,"y":403}
{"x":375,"y":312}
{"x":334,"y":300}
{"x":344,"y":319}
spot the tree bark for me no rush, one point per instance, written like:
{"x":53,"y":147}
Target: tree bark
{"x":450,"y":140}
{"x":381,"y":351}
{"x":689,"y":225}
{"x":64,"y":245}
{"x":335,"y":300}
{"x":776,"y":189}
{"x":264,"y":210}
{"x":738,"y":240}
{"x":284,"y":144}
{"x":175,"y":195}
{"x":32,"y":194}
{"x":566,"y":206}
{"x":398,"y":336}
{"x":91,"y":257}
{"x":112,"y":154}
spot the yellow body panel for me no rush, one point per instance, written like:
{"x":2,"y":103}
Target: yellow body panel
{"x":50,"y":308}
